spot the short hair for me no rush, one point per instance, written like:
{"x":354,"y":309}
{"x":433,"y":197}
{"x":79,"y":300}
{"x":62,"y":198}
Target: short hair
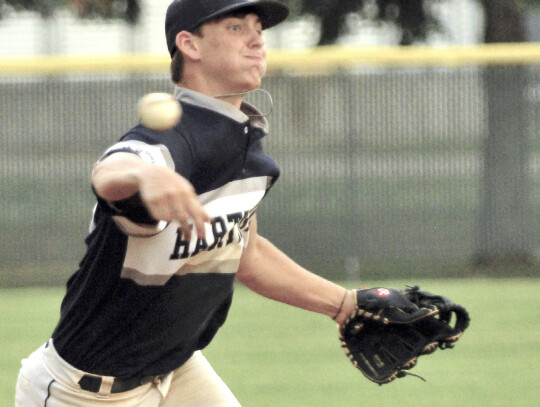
{"x":177,"y":62}
{"x":177,"y":67}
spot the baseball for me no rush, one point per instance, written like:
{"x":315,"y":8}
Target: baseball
{"x":159,"y":111}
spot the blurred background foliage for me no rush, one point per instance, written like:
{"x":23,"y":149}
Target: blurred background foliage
{"x":504,"y":19}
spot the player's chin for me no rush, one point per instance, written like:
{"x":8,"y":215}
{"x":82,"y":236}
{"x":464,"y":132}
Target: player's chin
{"x":255,"y":76}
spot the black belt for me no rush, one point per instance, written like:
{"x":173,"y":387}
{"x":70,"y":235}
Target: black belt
{"x":93,"y":383}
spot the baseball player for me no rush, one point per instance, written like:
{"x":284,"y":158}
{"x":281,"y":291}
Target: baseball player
{"x":174,"y":225}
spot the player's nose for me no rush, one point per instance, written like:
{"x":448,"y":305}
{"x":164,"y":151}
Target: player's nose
{"x":255,"y":39}
{"x":254,"y":34}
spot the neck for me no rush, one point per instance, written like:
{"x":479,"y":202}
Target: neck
{"x":233,"y":98}
{"x":204,"y":87}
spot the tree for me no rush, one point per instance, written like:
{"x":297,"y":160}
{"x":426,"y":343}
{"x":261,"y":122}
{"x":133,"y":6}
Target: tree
{"x":415,"y":18}
{"x":44,"y":7}
{"x":128,"y":10}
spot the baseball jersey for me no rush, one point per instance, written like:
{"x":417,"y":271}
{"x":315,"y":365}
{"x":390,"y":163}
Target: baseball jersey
{"x":144,"y":298}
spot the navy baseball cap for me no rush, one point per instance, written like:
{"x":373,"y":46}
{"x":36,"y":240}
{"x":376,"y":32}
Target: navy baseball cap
{"x":189,"y":14}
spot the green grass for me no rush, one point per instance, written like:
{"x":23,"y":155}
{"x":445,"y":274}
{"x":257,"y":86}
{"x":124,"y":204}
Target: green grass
{"x":274,"y":355}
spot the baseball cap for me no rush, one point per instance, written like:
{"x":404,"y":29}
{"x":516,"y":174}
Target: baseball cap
{"x":188,"y":14}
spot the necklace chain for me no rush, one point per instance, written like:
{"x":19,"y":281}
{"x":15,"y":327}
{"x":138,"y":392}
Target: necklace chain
{"x":245,"y":93}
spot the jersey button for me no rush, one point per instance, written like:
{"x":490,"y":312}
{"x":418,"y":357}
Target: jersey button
{"x":246,"y":130}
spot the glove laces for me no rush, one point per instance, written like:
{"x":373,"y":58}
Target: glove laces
{"x":403,"y":373}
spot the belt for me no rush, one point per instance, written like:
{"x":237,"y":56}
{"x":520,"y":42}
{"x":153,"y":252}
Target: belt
{"x":93,"y":383}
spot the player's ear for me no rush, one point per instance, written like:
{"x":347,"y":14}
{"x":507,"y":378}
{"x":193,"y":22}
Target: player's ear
{"x":185,"y":42}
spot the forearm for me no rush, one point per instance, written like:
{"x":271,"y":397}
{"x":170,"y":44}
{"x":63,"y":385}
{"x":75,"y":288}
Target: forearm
{"x":117,"y":177}
{"x":272,"y":274}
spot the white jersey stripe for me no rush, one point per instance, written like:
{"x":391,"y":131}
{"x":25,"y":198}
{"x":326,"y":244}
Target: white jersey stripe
{"x":156,"y":258}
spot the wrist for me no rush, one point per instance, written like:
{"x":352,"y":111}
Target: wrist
{"x":347,"y":307}
{"x":340,"y":305}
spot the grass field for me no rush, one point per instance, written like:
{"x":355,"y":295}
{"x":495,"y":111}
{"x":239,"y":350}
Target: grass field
{"x":274,"y":355}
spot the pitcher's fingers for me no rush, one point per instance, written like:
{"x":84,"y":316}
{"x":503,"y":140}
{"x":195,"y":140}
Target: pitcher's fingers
{"x":186,"y":227}
{"x":160,"y":213}
{"x":200,"y":217}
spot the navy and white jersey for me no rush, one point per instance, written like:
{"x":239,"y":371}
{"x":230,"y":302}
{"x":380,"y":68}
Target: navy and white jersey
{"x":144,"y":298}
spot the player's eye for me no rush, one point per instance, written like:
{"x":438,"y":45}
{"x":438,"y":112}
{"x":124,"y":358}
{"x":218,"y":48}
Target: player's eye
{"x":235,"y":27}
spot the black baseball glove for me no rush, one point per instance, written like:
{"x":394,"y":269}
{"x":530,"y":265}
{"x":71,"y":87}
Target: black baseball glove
{"x":391,"y":328}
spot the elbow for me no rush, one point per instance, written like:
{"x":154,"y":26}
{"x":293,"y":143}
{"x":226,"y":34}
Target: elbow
{"x":245,"y":275}
{"x":251,"y":263}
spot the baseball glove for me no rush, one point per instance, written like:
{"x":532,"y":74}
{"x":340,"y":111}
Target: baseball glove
{"x":391,"y":328}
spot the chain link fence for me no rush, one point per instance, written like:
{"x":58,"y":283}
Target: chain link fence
{"x":394,"y":171}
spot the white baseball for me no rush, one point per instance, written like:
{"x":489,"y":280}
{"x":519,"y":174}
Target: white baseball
{"x":159,"y":111}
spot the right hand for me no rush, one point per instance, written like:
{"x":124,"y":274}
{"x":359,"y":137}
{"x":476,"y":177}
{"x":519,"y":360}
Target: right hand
{"x":170,"y":197}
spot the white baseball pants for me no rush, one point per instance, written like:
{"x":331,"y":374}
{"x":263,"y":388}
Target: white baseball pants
{"x":46,"y":380}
